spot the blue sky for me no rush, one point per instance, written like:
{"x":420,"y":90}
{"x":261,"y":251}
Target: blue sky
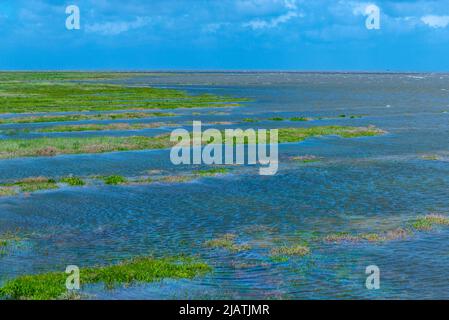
{"x":225,"y":34}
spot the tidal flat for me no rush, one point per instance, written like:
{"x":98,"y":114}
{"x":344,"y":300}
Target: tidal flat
{"x":83,"y":117}
{"x":362,"y":180}
{"x":22,"y":93}
{"x":14,"y":148}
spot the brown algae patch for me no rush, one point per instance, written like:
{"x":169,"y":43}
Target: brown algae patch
{"x":423,"y":223}
{"x":8,"y":191}
{"x":106,"y":127}
{"x":211,"y":172}
{"x":294,"y":250}
{"x":82,"y":117}
{"x":8,"y":241}
{"x":306,"y":159}
{"x":176,"y":179}
{"x":431,"y":157}
{"x":390,"y":235}
{"x":260,"y":228}
{"x":227,"y":241}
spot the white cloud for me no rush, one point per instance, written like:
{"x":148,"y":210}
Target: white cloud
{"x":290,"y":5}
{"x":359,"y":9}
{"x":213,"y":27}
{"x":272,"y":23}
{"x":115,"y":28}
{"x":436,"y":21}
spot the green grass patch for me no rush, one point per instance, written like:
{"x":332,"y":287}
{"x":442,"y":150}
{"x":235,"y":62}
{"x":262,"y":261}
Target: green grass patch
{"x":18,"y":76}
{"x":212,"y":172}
{"x":104,"y":127}
{"x":8,"y":238}
{"x":115,"y":179}
{"x":428,"y":222}
{"x":8,"y":241}
{"x":306,"y":159}
{"x":279,"y":259}
{"x":51,"y":285}
{"x":176,"y":179}
{"x":276,"y":119}
{"x":34,"y":184}
{"x":299,"y":119}
{"x":249,"y":120}
{"x":73,"y":181}
{"x":83,"y":117}
{"x":395,"y":234}
{"x":227,"y":242}
{"x":299,"y":134}
{"x":13,"y":148}
{"x":347,"y":237}
{"x":21,"y":93}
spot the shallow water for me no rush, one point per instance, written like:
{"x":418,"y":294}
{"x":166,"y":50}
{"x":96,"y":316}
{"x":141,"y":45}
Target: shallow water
{"x":370,"y":184}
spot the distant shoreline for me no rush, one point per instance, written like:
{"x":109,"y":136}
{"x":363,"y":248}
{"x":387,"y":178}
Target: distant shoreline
{"x":232,"y":71}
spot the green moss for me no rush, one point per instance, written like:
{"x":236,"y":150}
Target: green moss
{"x":73,"y":181}
{"x":115,"y":179}
{"x":295,"y":250}
{"x":227,"y":241}
{"x":139,"y":270}
{"x":426,"y":223}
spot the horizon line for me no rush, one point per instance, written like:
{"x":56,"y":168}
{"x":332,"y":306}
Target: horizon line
{"x":227,"y":71}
